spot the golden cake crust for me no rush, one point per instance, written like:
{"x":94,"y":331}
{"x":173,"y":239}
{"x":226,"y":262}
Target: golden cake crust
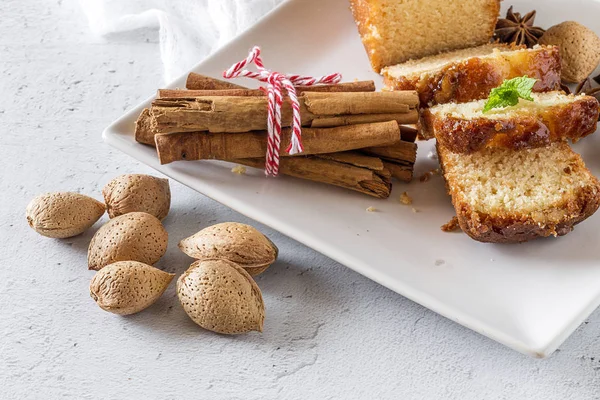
{"x":514,"y":226}
{"x":396,"y":31}
{"x":573,"y":120}
{"x":475,"y":77}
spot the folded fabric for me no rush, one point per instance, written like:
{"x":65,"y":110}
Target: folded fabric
{"x":189,"y":30}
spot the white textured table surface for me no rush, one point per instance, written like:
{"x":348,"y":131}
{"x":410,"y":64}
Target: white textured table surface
{"x":329,"y":332}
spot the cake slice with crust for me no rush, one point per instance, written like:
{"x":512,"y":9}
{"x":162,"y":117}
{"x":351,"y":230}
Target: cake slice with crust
{"x":550,"y":117}
{"x":507,"y":196}
{"x":394,"y":31}
{"x":470,"y":74}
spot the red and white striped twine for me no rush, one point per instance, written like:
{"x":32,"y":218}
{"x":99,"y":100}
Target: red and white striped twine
{"x":275,"y":83}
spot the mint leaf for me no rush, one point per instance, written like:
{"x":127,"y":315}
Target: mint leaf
{"x":522,"y":86}
{"x":509,"y":92}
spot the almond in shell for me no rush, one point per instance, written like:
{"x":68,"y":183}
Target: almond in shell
{"x":137,"y":192}
{"x":63,"y":214}
{"x":579,"y":49}
{"x":221,"y":296}
{"x":136,"y":236}
{"x":240,"y":243}
{"x":128,"y":287}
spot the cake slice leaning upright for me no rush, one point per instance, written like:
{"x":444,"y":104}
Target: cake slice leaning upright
{"x":395,"y":31}
{"x":508,"y":196}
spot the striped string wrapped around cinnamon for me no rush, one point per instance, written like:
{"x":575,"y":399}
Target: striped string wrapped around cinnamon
{"x":276,"y":83}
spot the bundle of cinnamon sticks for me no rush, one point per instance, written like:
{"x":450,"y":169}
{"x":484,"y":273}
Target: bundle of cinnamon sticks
{"x":352,"y":136}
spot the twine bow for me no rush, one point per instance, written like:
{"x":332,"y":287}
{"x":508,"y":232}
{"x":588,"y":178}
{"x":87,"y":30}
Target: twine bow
{"x":276,"y":82}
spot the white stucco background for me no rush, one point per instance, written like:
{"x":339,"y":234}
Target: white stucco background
{"x":329,"y":332}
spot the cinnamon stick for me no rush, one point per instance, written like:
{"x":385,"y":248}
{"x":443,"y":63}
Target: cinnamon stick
{"x":357,"y":159}
{"x":190,"y":94}
{"x":401,"y":172}
{"x":202,"y":82}
{"x":405,"y":152}
{"x":143,"y":131}
{"x":358,"y":86}
{"x":361,"y":103}
{"x":401,"y":118}
{"x":226,"y":146}
{"x":243,"y":114}
{"x":408,"y":133}
{"x":374,"y":182}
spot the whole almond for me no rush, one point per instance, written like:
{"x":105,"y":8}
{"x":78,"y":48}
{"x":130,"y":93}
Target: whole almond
{"x":222,"y":297}
{"x":240,"y":243}
{"x":579,"y":49}
{"x":135,"y":236}
{"x":137,"y":192}
{"x":63,"y":214}
{"x":128,"y":287}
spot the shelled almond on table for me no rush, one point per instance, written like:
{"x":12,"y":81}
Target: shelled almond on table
{"x":233,"y":241}
{"x":128,"y":287}
{"x":345,"y":125}
{"x":135,"y":236}
{"x":220,"y":296}
{"x":137,"y":192}
{"x":63,"y":214}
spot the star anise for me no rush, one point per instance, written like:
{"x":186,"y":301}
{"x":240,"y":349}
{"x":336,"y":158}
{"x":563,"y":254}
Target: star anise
{"x":514,"y":29}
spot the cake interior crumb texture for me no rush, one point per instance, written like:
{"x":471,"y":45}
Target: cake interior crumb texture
{"x":487,"y":52}
{"x":474,"y":109}
{"x":432,"y":63}
{"x":502,"y":182}
{"x":394,"y":31}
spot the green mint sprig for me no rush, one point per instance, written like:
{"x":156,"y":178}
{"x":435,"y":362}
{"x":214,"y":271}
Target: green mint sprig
{"x":509,"y":93}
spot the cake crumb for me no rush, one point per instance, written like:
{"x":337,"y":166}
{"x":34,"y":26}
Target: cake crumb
{"x":439,"y":262}
{"x":371,"y":209}
{"x":415,"y":210}
{"x":451,"y":225}
{"x":405,"y":199}
{"x":239,"y":169}
{"x":425,"y":177}
{"x":432,"y":155}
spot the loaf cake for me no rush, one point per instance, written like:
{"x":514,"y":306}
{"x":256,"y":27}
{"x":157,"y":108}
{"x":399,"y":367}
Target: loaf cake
{"x":470,"y":74}
{"x":508,"y":196}
{"x":550,"y":117}
{"x":394,"y":31}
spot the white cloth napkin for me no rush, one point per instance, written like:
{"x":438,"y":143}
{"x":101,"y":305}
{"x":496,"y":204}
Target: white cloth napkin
{"x":189,"y":30}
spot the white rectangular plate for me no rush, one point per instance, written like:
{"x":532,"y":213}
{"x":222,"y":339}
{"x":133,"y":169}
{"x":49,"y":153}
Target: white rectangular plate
{"x":529,"y":297}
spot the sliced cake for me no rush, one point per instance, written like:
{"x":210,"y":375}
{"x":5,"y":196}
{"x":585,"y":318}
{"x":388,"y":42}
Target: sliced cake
{"x":394,"y":31}
{"x":470,"y":74}
{"x":550,"y":117}
{"x":506,"y":196}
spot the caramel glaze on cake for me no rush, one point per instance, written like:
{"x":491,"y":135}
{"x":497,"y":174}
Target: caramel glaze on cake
{"x":463,"y":128}
{"x":473,"y":78}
